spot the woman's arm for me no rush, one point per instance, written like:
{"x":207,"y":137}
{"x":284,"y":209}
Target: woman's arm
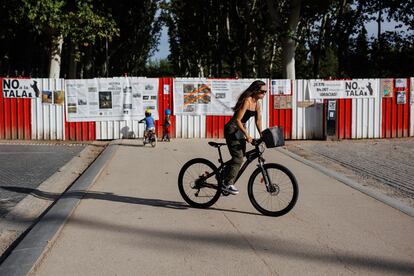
{"x":240,"y":114}
{"x":259,"y":117}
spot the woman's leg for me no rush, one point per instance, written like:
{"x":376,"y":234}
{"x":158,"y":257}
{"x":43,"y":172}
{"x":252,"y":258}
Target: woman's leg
{"x":236,"y":149}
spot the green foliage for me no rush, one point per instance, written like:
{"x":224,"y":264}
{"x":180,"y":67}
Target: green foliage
{"x":156,"y":68}
{"x":211,"y":38}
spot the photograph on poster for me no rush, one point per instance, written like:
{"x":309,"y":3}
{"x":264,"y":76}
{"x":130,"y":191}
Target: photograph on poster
{"x":127,"y":89}
{"x":401,"y":99}
{"x":150,"y":107}
{"x":82,"y":102}
{"x":149,"y":87}
{"x":59,"y":97}
{"x":204,"y":94}
{"x":72,"y":108}
{"x":188,"y":90}
{"x":288,"y":102}
{"x":47,"y":96}
{"x":189,"y":108}
{"x":105,"y":99}
{"x":220,"y":95}
{"x":92,"y":89}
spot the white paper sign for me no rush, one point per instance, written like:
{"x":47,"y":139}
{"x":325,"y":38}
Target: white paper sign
{"x":281,"y":87}
{"x":110,"y":99}
{"x":321,"y":89}
{"x":349,"y":89}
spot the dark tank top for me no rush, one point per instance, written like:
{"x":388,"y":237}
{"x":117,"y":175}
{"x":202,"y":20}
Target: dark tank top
{"x":247,"y":115}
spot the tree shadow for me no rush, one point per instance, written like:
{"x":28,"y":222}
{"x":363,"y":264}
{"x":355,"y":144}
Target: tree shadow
{"x":173,"y":239}
{"x":80,"y":194}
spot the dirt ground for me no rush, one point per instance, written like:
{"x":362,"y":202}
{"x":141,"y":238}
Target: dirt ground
{"x":383,"y":165}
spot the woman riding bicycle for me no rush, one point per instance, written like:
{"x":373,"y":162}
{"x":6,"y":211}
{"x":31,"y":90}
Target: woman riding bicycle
{"x":235,"y":132}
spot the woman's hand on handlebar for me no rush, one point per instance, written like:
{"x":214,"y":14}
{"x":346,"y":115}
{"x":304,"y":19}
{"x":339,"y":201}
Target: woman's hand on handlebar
{"x":249,"y":139}
{"x":256,"y":142}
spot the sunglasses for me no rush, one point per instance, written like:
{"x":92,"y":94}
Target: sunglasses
{"x":262,"y":91}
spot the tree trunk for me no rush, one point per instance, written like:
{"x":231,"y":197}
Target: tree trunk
{"x":289,"y":44}
{"x":55,"y":57}
{"x":72,"y":62}
{"x":317,"y":51}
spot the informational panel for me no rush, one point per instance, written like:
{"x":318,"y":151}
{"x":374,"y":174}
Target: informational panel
{"x":110,"y":99}
{"x":208,"y":96}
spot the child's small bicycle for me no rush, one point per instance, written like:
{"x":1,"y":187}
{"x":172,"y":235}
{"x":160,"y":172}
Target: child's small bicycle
{"x":151,"y":138}
{"x":272,"y":188}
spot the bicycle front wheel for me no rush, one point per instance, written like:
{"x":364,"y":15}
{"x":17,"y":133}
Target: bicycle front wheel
{"x":197,"y":183}
{"x":279,"y":197}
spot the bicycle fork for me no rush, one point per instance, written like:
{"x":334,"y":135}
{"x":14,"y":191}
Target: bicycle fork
{"x":269,"y":186}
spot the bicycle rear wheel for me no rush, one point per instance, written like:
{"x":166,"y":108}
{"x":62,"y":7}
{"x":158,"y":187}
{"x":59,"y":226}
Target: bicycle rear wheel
{"x":154,"y":141}
{"x":280,"y":197}
{"x":197,"y":183}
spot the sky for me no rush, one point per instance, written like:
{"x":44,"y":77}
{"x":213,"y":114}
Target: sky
{"x":164,"y":46}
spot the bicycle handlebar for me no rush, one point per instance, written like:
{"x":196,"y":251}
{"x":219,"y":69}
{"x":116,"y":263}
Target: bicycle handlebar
{"x":256,"y":142}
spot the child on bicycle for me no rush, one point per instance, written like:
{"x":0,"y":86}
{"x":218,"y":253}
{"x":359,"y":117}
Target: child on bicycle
{"x":149,"y":123}
{"x":167,"y":124}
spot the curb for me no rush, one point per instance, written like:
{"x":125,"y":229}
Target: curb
{"x":22,"y":216}
{"x":29,"y":251}
{"x":355,"y":185}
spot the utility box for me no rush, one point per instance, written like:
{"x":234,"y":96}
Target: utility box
{"x":331,"y":122}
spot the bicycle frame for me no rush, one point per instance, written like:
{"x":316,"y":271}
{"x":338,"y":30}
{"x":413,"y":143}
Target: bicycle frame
{"x":251,"y":155}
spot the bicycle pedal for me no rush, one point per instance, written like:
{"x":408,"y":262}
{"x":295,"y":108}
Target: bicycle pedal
{"x":224,"y":193}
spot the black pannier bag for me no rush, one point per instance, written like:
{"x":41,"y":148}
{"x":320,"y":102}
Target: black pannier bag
{"x":273,"y":137}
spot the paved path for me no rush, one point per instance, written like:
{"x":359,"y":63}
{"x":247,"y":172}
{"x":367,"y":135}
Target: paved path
{"x":132,"y":221}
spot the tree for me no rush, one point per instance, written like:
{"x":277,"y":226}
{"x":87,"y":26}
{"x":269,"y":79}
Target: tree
{"x":59,"y":20}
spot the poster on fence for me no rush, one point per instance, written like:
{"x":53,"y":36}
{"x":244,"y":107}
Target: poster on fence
{"x":400,"y":83}
{"x":111,"y":99}
{"x":412,"y":91}
{"x":203,"y":96}
{"x":281,"y":87}
{"x":343,"y":89}
{"x":20,"y":88}
{"x":386,"y":88}
{"x":401,"y":98}
{"x":282,"y":102}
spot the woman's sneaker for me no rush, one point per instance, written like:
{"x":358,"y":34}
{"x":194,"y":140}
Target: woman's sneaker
{"x":230,"y":189}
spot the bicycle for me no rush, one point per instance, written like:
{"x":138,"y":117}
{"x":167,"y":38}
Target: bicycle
{"x":270,"y":181}
{"x":151,"y":138}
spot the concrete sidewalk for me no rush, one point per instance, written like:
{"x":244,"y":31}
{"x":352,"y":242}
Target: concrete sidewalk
{"x":132,"y":221}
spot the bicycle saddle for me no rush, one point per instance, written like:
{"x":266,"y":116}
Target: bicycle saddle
{"x":216,"y":145}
